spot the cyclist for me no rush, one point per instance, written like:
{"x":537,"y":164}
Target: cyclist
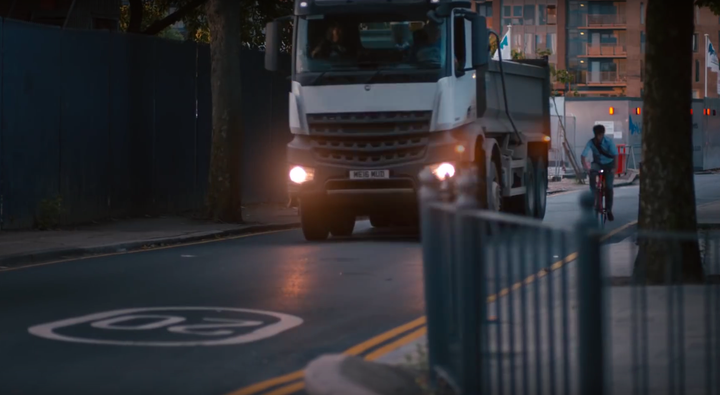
{"x":604,"y":153}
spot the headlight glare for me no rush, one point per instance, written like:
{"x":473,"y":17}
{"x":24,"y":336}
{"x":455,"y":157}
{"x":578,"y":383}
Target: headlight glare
{"x":443,"y":171}
{"x":300,"y":174}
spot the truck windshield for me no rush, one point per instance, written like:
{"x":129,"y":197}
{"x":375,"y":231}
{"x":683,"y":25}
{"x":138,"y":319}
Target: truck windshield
{"x":362,"y":42}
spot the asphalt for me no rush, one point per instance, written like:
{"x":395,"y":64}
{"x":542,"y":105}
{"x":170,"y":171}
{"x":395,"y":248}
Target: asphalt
{"x":330,"y":296}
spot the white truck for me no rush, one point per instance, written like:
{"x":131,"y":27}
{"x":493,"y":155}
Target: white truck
{"x":382,"y":89}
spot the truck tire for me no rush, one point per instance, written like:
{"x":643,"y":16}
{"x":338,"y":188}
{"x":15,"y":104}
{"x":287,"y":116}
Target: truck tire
{"x":342,"y":225}
{"x":541,"y":186}
{"x":380,"y":221}
{"x":313,"y":222}
{"x":526,"y":204}
{"x":495,"y":199}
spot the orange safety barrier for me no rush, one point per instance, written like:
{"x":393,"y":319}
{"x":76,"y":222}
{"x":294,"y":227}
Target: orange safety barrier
{"x":621,"y":159}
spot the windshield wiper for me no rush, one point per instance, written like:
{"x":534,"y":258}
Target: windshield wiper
{"x":373,"y":76}
{"x":318,"y":77}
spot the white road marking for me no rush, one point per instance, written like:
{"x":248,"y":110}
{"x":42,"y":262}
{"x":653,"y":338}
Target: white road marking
{"x":110,"y":322}
{"x":111,"y":319}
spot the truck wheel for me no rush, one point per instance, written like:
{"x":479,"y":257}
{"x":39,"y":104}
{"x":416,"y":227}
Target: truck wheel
{"x":541,"y":186}
{"x":313,"y":222}
{"x":495,"y":193}
{"x":342,"y":225}
{"x":525,"y":204}
{"x":380,"y":221}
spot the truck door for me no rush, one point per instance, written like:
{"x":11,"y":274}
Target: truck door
{"x":464,"y":86}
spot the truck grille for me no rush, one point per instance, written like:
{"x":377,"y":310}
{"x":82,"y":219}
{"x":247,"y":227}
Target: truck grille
{"x":369,"y":139}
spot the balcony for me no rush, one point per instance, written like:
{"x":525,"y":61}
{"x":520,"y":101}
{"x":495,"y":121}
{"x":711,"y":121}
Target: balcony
{"x":594,"y":21}
{"x":599,"y":78}
{"x":605,"y":51}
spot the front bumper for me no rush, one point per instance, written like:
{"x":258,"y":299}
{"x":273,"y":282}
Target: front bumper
{"x":332,"y":187}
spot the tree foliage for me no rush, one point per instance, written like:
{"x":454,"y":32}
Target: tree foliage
{"x":517,"y":54}
{"x":713,"y":5}
{"x":156,"y":16}
{"x":151,"y":12}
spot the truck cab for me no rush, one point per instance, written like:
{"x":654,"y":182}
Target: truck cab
{"x":383,"y":89}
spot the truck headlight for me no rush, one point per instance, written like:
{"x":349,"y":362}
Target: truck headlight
{"x":443,"y":170}
{"x":301,"y":174}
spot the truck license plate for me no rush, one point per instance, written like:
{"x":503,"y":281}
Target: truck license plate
{"x":369,"y":174}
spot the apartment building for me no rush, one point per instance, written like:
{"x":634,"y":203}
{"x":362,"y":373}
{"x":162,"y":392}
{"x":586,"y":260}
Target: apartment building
{"x":601,"y":43}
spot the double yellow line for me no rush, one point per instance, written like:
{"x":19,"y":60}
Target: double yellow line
{"x":293,"y":382}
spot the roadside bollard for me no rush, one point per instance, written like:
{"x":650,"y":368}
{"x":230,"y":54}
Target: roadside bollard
{"x":470,"y":277}
{"x":591,"y":312}
{"x":430,"y":227}
{"x":429,"y":188}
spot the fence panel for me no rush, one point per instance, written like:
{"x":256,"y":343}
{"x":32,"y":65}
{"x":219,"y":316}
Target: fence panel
{"x":204,"y":121}
{"x":175,"y":142}
{"x":257,"y":120}
{"x":122,"y":180}
{"x":532,"y":317}
{"x":280,"y":134}
{"x":31,"y":119}
{"x":84,"y":131}
{"x":141,"y":118}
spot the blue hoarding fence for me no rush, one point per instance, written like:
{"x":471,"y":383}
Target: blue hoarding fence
{"x":120,"y":125}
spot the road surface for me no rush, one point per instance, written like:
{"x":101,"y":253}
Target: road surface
{"x":216,"y":317}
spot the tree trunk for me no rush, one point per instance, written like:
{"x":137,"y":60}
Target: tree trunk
{"x":136,"y":16}
{"x":224,"y":190}
{"x":667,"y":188}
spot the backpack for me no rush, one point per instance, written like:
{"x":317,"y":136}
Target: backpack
{"x":601,"y":149}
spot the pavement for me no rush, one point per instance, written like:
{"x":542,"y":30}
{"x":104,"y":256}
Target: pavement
{"x":242,"y":315}
{"x":19,"y":248}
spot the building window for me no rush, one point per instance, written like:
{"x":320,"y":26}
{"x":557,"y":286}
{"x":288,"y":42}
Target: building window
{"x":529,"y":52}
{"x":551,"y":42}
{"x":642,"y":13}
{"x":512,"y":19}
{"x":697,"y":15}
{"x":539,"y":44}
{"x":529,"y":15}
{"x":541,"y":15}
{"x":552,"y":15}
{"x":697,"y":70}
{"x":484,"y":8}
{"x":517,"y":41}
{"x":642,"y":42}
{"x":695,"y":42}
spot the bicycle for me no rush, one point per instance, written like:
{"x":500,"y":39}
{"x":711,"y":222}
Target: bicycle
{"x":600,"y":208}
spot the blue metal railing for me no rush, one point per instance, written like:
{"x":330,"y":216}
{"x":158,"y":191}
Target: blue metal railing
{"x":510,"y":310}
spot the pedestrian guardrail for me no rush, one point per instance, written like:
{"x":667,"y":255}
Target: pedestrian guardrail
{"x":515,"y":305}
